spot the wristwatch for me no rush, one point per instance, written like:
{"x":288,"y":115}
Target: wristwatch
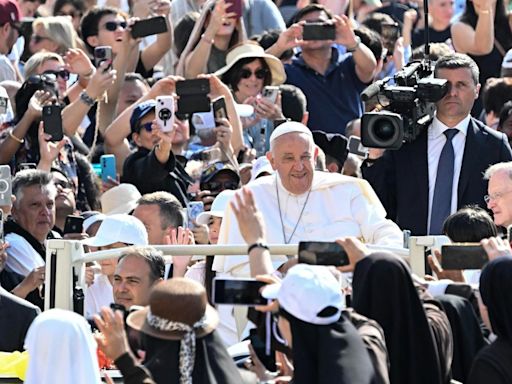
{"x":354,"y":48}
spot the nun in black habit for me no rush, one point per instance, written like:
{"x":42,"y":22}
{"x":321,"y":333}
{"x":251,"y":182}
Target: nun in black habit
{"x":493,"y":365}
{"x":383,"y":290}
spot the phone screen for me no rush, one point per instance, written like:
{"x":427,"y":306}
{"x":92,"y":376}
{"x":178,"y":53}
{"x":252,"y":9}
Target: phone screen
{"x":238,"y":292}
{"x":52,"y":121}
{"x":322,"y":253}
{"x":73,"y":224}
{"x":148,"y":27}
{"x":463,"y":256}
{"x":319,"y":31}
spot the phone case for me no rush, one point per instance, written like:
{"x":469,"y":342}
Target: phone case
{"x":148,"y":27}
{"x":165,"y":113}
{"x":219,"y":108}
{"x":194,"y":208}
{"x":108,"y":167}
{"x":73,"y":224}
{"x":270,"y":93}
{"x":236,"y":7}
{"x":101,"y":54}
{"x":52,"y":121}
{"x":5,"y":185}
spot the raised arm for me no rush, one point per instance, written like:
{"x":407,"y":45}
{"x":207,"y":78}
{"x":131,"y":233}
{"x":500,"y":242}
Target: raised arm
{"x":152,"y":54}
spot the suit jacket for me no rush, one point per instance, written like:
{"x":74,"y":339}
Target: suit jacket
{"x":400,"y":178}
{"x":16,"y":315}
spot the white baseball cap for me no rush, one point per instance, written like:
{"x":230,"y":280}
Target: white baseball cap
{"x":261,"y":165}
{"x":120,"y":228}
{"x":219,"y":205}
{"x":306,"y":291}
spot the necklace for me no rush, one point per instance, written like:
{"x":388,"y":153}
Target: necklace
{"x":281,"y":216}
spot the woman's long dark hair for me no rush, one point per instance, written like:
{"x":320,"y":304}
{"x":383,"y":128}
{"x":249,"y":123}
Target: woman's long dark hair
{"x":233,"y":76}
{"x":501,"y":23}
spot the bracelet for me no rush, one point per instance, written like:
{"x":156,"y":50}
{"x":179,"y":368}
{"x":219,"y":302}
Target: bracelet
{"x":89,"y":75}
{"x":207,"y":41}
{"x":86,"y":99}
{"x":257,"y":245}
{"x":354,"y":48}
{"x":20,"y":141}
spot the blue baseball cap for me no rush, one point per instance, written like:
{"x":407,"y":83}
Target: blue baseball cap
{"x":139,"y":112}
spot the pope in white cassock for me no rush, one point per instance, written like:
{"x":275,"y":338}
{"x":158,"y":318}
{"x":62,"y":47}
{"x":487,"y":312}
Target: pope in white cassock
{"x":301,"y":204}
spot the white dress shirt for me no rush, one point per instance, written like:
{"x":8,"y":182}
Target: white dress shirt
{"x":436,"y":142}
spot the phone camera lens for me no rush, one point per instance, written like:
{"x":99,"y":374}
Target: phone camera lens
{"x":4,"y":186}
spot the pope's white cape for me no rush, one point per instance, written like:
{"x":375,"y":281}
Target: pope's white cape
{"x":337,"y":206}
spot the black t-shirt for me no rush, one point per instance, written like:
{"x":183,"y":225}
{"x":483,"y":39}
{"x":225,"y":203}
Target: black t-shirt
{"x":418,"y":36}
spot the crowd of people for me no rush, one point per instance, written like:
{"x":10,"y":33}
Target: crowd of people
{"x":132,"y":124}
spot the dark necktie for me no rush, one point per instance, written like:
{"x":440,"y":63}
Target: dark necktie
{"x":442,"y":202}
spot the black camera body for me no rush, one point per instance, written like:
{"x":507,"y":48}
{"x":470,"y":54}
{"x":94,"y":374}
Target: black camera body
{"x":410,"y":106}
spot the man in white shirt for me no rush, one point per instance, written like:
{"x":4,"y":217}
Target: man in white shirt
{"x":499,"y":198}
{"x":406,"y":180}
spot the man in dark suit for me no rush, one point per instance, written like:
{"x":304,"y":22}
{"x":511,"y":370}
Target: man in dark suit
{"x":455,"y":147}
{"x":16,"y":315}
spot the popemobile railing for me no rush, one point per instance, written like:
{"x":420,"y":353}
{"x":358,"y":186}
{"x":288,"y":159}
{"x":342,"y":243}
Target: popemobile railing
{"x":65,"y":263}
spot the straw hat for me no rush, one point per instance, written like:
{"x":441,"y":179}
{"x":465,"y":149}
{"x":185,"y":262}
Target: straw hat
{"x":120,"y":199}
{"x":175,"y":306}
{"x":254,"y":50}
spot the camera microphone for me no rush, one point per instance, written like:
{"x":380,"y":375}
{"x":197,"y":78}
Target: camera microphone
{"x":373,"y":89}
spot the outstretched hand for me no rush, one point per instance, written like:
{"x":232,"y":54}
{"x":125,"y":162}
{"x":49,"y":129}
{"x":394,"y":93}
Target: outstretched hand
{"x":112,"y":341}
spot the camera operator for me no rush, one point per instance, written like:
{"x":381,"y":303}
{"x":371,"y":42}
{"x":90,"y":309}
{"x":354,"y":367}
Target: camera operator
{"x":429,"y":178}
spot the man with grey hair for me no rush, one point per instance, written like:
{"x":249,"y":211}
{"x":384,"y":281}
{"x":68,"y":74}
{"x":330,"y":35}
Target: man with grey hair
{"x":499,"y":197}
{"x":426,"y":180}
{"x":33,"y":217}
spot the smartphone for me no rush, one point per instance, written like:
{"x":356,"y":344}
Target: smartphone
{"x":212,"y":155}
{"x":5,"y":185}
{"x":148,"y":27}
{"x":194,"y":208}
{"x":192,"y":87}
{"x":268,"y":360}
{"x":235,"y":7}
{"x":322,"y":253}
{"x":108,"y":167}
{"x":219,"y":108}
{"x":101,"y":54}
{"x":270,"y":93}
{"x":319,"y":31}
{"x":463,"y":256}
{"x":24,"y":166}
{"x":3,"y":104}
{"x":238,"y":292}
{"x":73,"y":224}
{"x":165,"y":113}
{"x":52,"y":121}
{"x":355,"y":147}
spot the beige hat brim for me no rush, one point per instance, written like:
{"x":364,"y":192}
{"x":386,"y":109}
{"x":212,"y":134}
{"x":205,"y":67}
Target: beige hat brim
{"x":137,"y":321}
{"x":275,"y":65}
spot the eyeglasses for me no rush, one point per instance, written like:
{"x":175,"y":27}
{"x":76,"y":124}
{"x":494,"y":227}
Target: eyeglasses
{"x":215,"y":186}
{"x":38,"y":38}
{"x":112,"y":25}
{"x":63,"y":73}
{"x":495,"y":196}
{"x":64,"y":184}
{"x":260,"y":73}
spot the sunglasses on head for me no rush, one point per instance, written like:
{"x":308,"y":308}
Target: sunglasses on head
{"x":215,"y":186}
{"x":260,"y":73}
{"x":112,"y":25}
{"x":38,"y":38}
{"x":63,"y":73}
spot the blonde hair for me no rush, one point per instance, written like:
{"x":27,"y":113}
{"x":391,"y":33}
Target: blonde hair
{"x":60,"y":30}
{"x":38,"y":59}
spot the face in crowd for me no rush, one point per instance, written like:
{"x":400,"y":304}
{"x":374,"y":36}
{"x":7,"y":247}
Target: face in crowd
{"x":499,"y":200}
{"x":132,"y":282}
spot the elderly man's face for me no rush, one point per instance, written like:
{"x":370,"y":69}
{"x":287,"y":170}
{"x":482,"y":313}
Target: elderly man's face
{"x":500,"y":198}
{"x":293,"y":156}
{"x":35,"y":211}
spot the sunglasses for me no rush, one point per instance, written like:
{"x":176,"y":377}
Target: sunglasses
{"x":260,"y":73}
{"x":63,"y":73}
{"x":146,"y":126}
{"x":38,"y":38}
{"x":46,"y":78}
{"x":112,"y":25}
{"x":64,"y":184}
{"x":215,"y":186}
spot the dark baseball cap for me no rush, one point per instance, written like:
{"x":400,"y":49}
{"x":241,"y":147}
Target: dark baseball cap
{"x":139,"y":112}
{"x":9,"y":12}
{"x":214,"y":169}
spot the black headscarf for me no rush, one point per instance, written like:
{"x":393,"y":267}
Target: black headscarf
{"x":383,"y":291}
{"x":326,"y":354}
{"x":496,"y":292}
{"x":466,"y":332}
{"x":212,"y":364}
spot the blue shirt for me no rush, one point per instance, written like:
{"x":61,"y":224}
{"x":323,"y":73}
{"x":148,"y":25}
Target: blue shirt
{"x":333,"y":98}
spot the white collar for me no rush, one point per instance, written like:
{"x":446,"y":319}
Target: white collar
{"x":437,"y":128}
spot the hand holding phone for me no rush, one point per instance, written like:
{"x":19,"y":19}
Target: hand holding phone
{"x":148,"y":27}
{"x":73,"y":224}
{"x":108,"y":167}
{"x":103,"y":54}
{"x":270,"y":93}
{"x":194,"y":209}
{"x":463,"y":256}
{"x":52,"y":121}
